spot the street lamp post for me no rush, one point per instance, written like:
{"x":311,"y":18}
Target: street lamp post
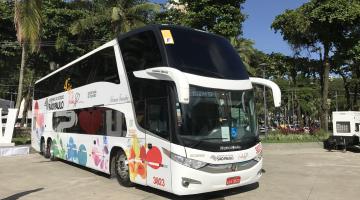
{"x":265,"y":106}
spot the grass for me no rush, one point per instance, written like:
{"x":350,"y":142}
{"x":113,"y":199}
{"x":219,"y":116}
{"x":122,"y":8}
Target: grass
{"x":278,"y":137}
{"x":273,"y":137}
{"x":21,"y":140}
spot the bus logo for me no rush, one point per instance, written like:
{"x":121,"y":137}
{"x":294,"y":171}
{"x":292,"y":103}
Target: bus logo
{"x":67,"y":85}
{"x":222,"y":157}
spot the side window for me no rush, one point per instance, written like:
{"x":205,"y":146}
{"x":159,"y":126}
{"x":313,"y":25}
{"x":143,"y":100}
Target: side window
{"x":151,"y":104}
{"x":157,"y":120}
{"x":140,"y":51}
{"x":115,"y":123}
{"x":78,"y":74}
{"x":93,"y":121}
{"x":100,"y":66}
{"x":343,"y":127}
{"x":357,"y":127}
{"x":104,"y":66}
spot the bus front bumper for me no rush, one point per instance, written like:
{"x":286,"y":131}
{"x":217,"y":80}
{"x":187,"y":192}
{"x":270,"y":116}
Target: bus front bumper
{"x":186,"y":181}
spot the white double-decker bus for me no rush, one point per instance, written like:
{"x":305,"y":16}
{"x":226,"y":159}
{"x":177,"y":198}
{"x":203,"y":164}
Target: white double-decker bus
{"x":163,"y":106}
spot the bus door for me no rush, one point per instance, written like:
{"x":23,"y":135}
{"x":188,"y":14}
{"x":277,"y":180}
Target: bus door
{"x":158,"y":143}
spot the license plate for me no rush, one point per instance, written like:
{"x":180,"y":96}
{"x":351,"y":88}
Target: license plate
{"x":233,"y":180}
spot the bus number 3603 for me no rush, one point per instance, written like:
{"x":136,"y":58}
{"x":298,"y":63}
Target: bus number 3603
{"x":159,"y":181}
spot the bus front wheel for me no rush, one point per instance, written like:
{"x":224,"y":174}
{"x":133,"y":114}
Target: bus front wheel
{"x":122,"y":169}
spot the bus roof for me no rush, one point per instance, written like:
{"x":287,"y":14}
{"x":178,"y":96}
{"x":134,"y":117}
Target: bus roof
{"x":198,"y":52}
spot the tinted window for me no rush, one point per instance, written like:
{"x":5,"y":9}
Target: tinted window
{"x":100,"y":66}
{"x":357,"y":127}
{"x":104,"y":66}
{"x":95,"y":121}
{"x":151,"y":101}
{"x":204,"y":54}
{"x":343,"y":127}
{"x":140,"y":51}
{"x":157,"y":119}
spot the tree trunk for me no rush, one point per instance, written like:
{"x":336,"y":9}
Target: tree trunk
{"x":26,"y":108}
{"x":357,"y":87}
{"x":325,"y":89}
{"x":21,"y":75}
{"x":347,"y":91}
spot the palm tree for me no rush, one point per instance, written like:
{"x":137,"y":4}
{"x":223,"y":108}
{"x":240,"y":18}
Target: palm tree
{"x":27,"y":20}
{"x":245,"y":49}
{"x":124,"y":15}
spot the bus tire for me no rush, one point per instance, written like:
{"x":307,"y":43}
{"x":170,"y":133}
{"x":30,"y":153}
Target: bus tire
{"x":42,"y":147}
{"x":49,"y":152}
{"x":122,"y":169}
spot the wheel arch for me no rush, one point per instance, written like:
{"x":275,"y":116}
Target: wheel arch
{"x":113,"y":152}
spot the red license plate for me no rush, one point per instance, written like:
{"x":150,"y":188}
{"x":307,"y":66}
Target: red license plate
{"x":233,"y":180}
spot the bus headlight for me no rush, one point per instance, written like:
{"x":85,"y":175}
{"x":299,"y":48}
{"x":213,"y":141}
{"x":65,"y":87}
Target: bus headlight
{"x":195,"y":164}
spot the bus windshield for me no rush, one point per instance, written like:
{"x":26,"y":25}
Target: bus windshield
{"x":217,"y":116}
{"x":204,"y":54}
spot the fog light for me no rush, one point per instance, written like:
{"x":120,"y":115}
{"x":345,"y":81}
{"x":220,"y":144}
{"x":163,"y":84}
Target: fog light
{"x":187,"y":181}
{"x":261,"y":171}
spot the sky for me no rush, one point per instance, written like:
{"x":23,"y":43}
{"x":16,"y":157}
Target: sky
{"x":257,"y":26}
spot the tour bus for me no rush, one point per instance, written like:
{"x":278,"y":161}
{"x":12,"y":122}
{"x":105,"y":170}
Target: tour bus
{"x":164,"y":106}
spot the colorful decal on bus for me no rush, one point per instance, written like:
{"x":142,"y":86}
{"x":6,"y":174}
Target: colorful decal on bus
{"x":90,"y":120}
{"x":136,"y":156}
{"x":76,"y":155}
{"x":82,"y":155}
{"x":100,"y":153}
{"x":39,"y":121}
{"x":139,"y":159}
{"x":71,"y":150}
{"x":154,"y":158}
{"x":58,"y":147}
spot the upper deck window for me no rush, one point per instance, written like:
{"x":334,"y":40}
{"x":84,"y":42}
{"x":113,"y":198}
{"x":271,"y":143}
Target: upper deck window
{"x":140,"y":51}
{"x":203,"y":54}
{"x":98,"y":67}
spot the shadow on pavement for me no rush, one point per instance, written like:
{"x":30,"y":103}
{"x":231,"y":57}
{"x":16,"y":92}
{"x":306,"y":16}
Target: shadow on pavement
{"x":21,"y":194}
{"x":218,"y":195}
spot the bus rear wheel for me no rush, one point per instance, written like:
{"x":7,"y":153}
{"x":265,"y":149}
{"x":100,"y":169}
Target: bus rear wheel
{"x":42,"y":147}
{"x":49,"y":152}
{"x":122,"y":169}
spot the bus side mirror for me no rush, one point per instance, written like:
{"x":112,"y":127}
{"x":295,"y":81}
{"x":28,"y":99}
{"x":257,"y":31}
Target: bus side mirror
{"x":276,"y":92}
{"x":168,"y":74}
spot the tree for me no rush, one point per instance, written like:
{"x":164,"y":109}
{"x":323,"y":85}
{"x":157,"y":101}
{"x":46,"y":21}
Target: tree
{"x":246,"y":51}
{"x":319,"y":24}
{"x":220,"y":17}
{"x":28,"y":21}
{"x":121,"y":15}
{"x":9,"y":51}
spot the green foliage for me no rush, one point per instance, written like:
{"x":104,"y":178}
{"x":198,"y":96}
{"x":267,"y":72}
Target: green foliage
{"x":28,"y":21}
{"x":245,"y":49}
{"x":220,"y":17}
{"x":9,"y":50}
{"x":318,"y":21}
{"x":278,"y":137}
{"x":21,"y":140}
{"x":60,"y":46}
{"x":121,"y":15}
{"x":322,"y":26}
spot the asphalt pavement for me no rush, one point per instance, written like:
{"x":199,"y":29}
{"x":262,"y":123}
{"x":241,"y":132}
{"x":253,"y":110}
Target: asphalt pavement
{"x":292,"y":171}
